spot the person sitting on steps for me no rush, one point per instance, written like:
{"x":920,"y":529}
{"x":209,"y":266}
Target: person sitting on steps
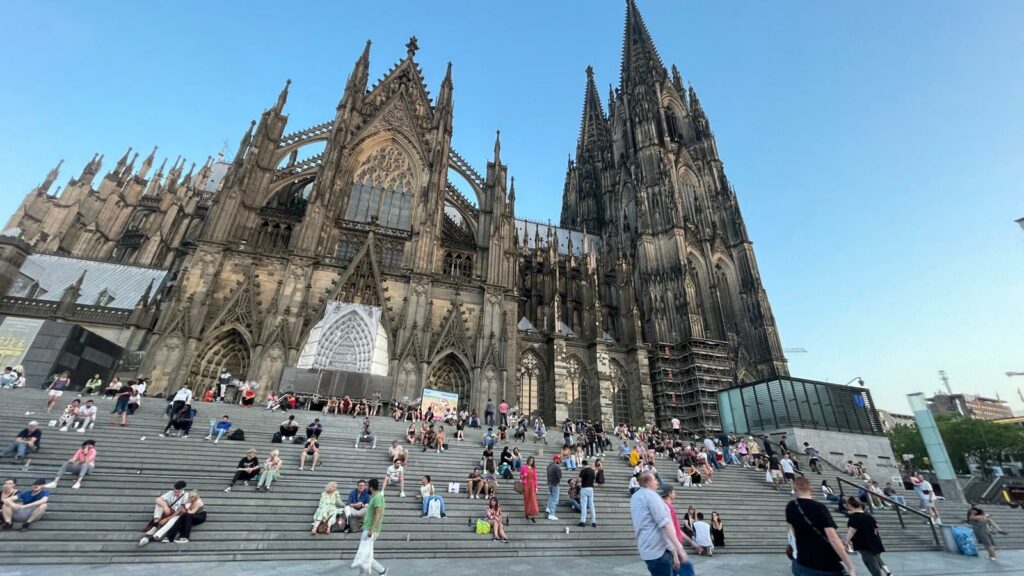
{"x":193,"y":515}
{"x":398,"y":454}
{"x":366,"y":435}
{"x":395,"y":475}
{"x":271,"y":471}
{"x":169,"y":506}
{"x":248,"y":468}
{"x":315,"y":429}
{"x":427,"y":495}
{"x":312,"y":448}
{"x":25,"y":507}
{"x":85,"y":417}
{"x":68,"y":415}
{"x":181,"y":421}
{"x":28,"y":441}
{"x":355,"y":505}
{"x":327,"y":510}
{"x":81,"y":463}
{"x":475,"y":485}
{"x":288,"y":429}
{"x":220,"y":428}
{"x":496,"y":520}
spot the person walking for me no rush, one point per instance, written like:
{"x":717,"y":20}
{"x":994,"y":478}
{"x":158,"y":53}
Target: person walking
{"x":862,"y":534}
{"x":979,"y":522}
{"x":374,"y":518}
{"x":587,"y":476}
{"x":656,"y":540}
{"x":528,"y":477}
{"x":819,"y":551}
{"x":489,"y":413}
{"x":554,"y":473}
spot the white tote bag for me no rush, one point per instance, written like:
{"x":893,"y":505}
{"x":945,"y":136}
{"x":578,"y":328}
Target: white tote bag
{"x":453,"y":487}
{"x":363,"y":560}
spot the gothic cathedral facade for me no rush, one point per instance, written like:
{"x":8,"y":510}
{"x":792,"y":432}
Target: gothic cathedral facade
{"x":638,"y":307}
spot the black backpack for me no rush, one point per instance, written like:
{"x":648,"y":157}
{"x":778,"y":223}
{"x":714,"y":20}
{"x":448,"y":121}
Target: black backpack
{"x":238,"y":434}
{"x":276,"y":439}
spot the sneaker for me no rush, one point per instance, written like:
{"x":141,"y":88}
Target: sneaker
{"x":217,"y":441}
{"x":228,"y":489}
{"x":63,"y":429}
{"x":181,"y":541}
{"x":81,"y":430}
{"x":6,"y":525}
{"x":50,"y":485}
{"x":185,"y":437}
{"x":26,"y":526}
{"x":162,"y":435}
{"x":208,"y":438}
{"x":401,"y":495}
{"x":144,"y":540}
{"x":246,"y":483}
{"x":581,"y":524}
{"x":552,"y":517}
{"x":593,"y":524}
{"x":76,"y":485}
{"x":443,"y":515}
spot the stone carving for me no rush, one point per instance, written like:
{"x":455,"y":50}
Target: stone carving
{"x":387,"y":168}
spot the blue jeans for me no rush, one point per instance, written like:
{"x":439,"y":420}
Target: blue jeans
{"x":662,"y":566}
{"x":553,"y":493}
{"x":799,"y":570}
{"x":587,"y":503}
{"x":20,"y":449}
{"x":426,"y":503}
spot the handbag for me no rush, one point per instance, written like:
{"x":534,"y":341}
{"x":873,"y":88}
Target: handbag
{"x":322,"y":527}
{"x":483,"y":527}
{"x":517,"y":487}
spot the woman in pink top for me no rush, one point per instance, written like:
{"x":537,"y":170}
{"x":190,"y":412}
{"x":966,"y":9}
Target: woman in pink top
{"x":81,"y":463}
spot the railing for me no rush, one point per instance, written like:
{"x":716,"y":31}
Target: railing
{"x":311,"y":132}
{"x":471,"y":174}
{"x":901,"y":509}
{"x":50,"y":309}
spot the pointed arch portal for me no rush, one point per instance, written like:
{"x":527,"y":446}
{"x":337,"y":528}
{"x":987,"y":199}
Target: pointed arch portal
{"x":228,"y":350}
{"x":451,"y":375}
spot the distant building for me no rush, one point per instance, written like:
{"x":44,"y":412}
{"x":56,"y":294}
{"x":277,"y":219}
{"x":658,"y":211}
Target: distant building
{"x":1015,"y":421}
{"x":891,"y":420}
{"x":969,"y":405}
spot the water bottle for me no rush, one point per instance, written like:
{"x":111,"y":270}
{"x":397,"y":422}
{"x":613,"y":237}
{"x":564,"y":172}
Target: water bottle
{"x":566,"y":529}
{"x":27,"y":464}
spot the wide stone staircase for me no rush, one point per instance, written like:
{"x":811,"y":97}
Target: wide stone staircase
{"x":100,"y":522}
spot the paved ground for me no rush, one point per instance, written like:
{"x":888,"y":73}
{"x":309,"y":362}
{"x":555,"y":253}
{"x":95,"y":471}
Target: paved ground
{"x":902,"y":564}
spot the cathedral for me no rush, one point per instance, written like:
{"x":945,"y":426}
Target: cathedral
{"x":367,"y":245}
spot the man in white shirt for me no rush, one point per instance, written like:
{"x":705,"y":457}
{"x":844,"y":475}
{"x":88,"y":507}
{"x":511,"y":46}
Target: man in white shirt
{"x":702,"y":534}
{"x":787,"y":469}
{"x":85,"y":416}
{"x":675,"y":426}
{"x":395,"y":474}
{"x":712,"y":453}
{"x":182,"y":397}
{"x":167,"y":506}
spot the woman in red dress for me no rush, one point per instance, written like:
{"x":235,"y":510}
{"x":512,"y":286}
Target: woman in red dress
{"x":528,"y":475}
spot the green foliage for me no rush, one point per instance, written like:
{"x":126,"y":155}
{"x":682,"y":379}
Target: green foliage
{"x":964,"y":437}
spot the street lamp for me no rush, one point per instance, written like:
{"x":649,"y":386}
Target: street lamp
{"x":858,"y":380}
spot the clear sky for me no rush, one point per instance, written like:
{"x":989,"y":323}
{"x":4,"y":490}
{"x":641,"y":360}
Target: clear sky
{"x":876,"y":147}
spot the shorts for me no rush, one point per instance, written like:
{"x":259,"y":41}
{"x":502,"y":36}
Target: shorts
{"x":122,"y":406}
{"x":776,"y":474}
{"x":789,"y":475}
{"x":22,"y":514}
{"x":57,"y":393}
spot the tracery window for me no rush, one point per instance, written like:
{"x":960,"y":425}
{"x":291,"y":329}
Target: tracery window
{"x":577,"y":390}
{"x":531,"y":383}
{"x":458,"y":264}
{"x":382,"y":189}
{"x":620,"y":394}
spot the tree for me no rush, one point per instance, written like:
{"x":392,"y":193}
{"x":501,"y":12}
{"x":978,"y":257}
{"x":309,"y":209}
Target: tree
{"x":966,"y":439}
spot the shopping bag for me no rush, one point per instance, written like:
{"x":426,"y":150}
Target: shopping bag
{"x":453,"y":487}
{"x":363,"y":560}
{"x":483,"y":527}
{"x":767,"y":476}
{"x":434,"y":509}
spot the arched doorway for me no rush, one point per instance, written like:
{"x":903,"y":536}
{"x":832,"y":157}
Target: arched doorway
{"x":450,"y":374}
{"x":348,"y":345}
{"x":228,"y":350}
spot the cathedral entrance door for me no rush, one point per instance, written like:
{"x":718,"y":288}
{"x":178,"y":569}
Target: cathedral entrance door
{"x":229,"y":351}
{"x":451,"y":375}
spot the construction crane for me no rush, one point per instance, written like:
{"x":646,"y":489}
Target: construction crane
{"x":1011,"y":374}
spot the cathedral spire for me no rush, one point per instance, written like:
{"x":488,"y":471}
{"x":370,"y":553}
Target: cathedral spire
{"x":50,"y":177}
{"x":121,"y":163}
{"x":444,"y":97}
{"x":497,"y":147}
{"x":243,"y":146}
{"x":356,"y":85}
{"x":148,"y":163}
{"x":282,"y":97}
{"x":639,"y":56}
{"x":593,"y":126}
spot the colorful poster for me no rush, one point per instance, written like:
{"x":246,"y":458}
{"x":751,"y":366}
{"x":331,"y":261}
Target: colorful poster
{"x":16,"y":335}
{"x":441,"y":401}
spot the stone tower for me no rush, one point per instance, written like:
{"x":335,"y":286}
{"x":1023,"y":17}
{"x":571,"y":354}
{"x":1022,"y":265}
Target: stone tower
{"x":648,"y":180}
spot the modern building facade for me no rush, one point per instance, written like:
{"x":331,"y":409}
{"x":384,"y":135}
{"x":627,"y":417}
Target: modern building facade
{"x":365,"y":243}
{"x":969,"y":405}
{"x":891,"y":420}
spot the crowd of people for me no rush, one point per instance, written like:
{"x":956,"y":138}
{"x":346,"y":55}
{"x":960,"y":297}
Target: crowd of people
{"x":578,"y":466}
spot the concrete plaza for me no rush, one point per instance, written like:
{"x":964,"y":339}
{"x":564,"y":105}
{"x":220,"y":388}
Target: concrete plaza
{"x":901,"y":564}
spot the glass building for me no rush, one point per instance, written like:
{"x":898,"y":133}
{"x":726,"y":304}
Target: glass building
{"x":786,"y":402}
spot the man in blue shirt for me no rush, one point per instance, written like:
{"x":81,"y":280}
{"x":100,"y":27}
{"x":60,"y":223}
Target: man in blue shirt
{"x":26,"y":507}
{"x":355,"y":505}
{"x":219,"y":427}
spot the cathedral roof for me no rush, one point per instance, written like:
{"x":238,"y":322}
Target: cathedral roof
{"x":528,"y":230}
{"x":124,"y":285}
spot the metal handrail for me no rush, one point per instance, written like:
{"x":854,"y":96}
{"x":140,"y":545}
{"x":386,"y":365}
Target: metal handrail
{"x":900,"y":508}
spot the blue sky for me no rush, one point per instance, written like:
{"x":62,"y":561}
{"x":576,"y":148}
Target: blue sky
{"x":876,"y":147}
